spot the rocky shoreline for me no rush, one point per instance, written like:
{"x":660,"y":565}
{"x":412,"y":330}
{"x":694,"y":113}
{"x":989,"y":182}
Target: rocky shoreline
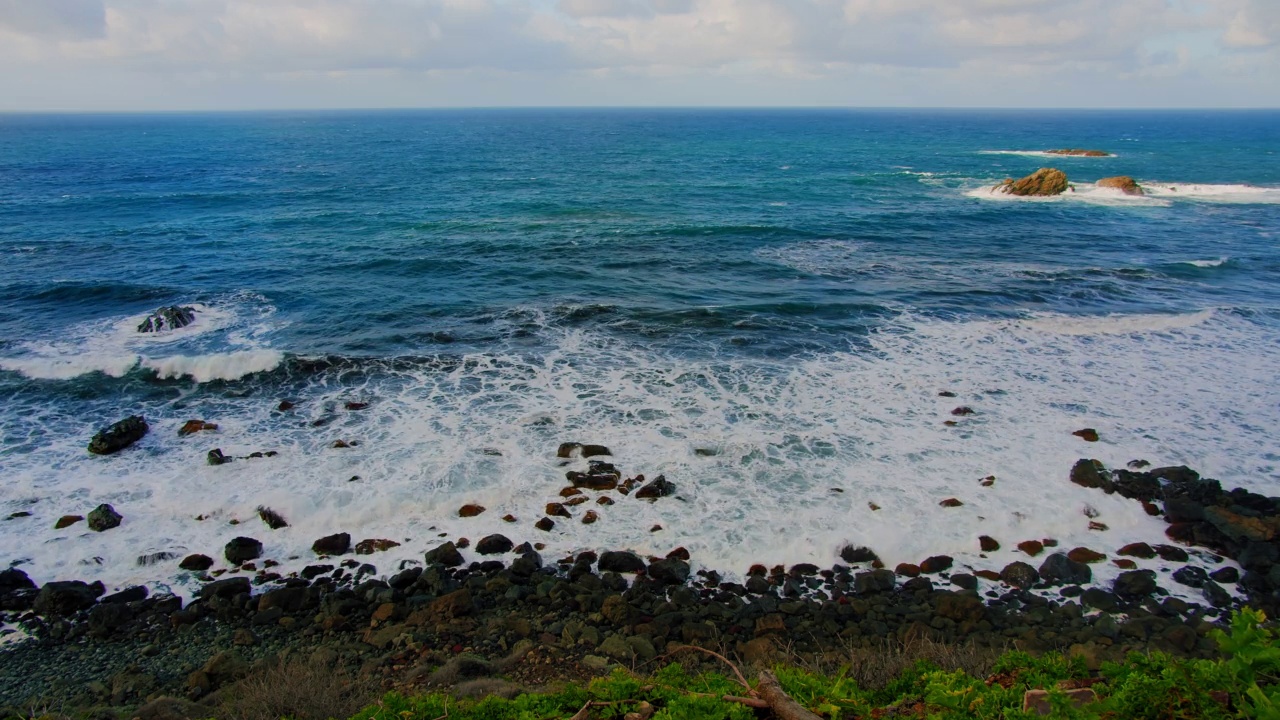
{"x":583,"y":613}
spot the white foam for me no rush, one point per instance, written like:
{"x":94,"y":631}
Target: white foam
{"x":1156,"y":194}
{"x":1195,"y":389}
{"x":218,"y":366}
{"x":1208,"y":263}
{"x":1078,"y":192}
{"x":1222,"y":193}
{"x":1044,"y":154}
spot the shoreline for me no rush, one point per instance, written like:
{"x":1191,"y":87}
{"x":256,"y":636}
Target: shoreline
{"x":591,"y":611}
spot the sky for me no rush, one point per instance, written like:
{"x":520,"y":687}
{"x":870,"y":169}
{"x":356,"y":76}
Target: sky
{"x":148,"y":55}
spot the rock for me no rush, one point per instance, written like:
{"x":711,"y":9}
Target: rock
{"x":1138,"y":550}
{"x":991,"y":575}
{"x":1031,"y":547}
{"x":1135,"y":584}
{"x":874,"y":581}
{"x":1087,"y":434}
{"x":594,"y":451}
{"x":951,"y":503}
{"x":446,"y":555}
{"x":225,"y":667}
{"x":336,"y":544}
{"x":63,"y":598}
{"x":455,"y":604}
{"x":1019,"y":575}
{"x":118,"y":436}
{"x":196,"y":562}
{"x":14,"y":579}
{"x":1058,"y":569}
{"x":1100,"y":599}
{"x":1136,"y":485}
{"x":960,"y":607}
{"x":545,"y":524}
{"x":935,"y":564}
{"x":1170,"y":553}
{"x":229,"y":587}
{"x":1091,"y":474}
{"x":472,"y":510}
{"x":569,"y":492}
{"x":1243,"y":528}
{"x":988,"y":543}
{"x":615,"y":646}
{"x":192,"y":427}
{"x":1077,"y":152}
{"x":660,"y":487}
{"x":371,"y":546}
{"x":244,"y":637}
{"x":907,"y":570}
{"x":1043,"y":182}
{"x":67,"y":521}
{"x":494,"y":545}
{"x":527,"y":564}
{"x":312,"y":572}
{"x":1191,"y":576}
{"x":671,"y":571}
{"x":620,"y":562}
{"x":1123,"y":183}
{"x":590,"y":517}
{"x":241,"y":550}
{"x":1216,"y":595}
{"x":853,"y":555}
{"x":352,"y":405}
{"x":569,"y":450}
{"x":1085,"y":555}
{"x":215,"y":457}
{"x":964,"y":581}
{"x":169,"y":317}
{"x":1125,"y":564}
{"x":128,"y":595}
{"x":1226,"y":575}
{"x":963,"y":410}
{"x":509,"y":518}
{"x":557,"y":510}
{"x":104,"y":517}
{"x":273,"y":519}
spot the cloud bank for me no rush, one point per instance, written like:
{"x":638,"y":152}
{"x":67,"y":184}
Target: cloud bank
{"x":177,"y":54}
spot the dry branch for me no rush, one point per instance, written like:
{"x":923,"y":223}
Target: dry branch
{"x":779,"y":701}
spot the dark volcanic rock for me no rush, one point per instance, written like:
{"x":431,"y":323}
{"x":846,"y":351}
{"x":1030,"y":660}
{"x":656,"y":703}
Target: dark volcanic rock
{"x":1138,"y":550}
{"x":273,"y":519}
{"x":1058,"y":569}
{"x":215,"y":457}
{"x":1091,"y":474}
{"x":669,"y":572}
{"x":14,"y":579}
{"x":170,"y":317}
{"x":620,"y":562}
{"x":852,"y":555}
{"x":494,"y":545}
{"x":446,"y":555}
{"x":241,"y":550}
{"x":229,"y":587}
{"x":660,"y":487}
{"x":545,"y":524}
{"x":119,"y":436}
{"x":128,"y":595}
{"x":964,"y":581}
{"x":1226,"y":575}
{"x":1137,"y":485}
{"x":988,"y":543}
{"x":104,"y":517}
{"x":196,"y":562}
{"x":336,"y":544}
{"x":1019,"y":575}
{"x":1191,"y":576}
{"x":874,"y":581}
{"x":59,"y":599}
{"x":935,"y":564}
{"x":1135,"y":584}
{"x":1216,"y":595}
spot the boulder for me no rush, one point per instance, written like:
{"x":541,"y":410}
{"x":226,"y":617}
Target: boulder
{"x":1085,"y":555}
{"x":874,"y":581}
{"x":1123,"y":183}
{"x":67,"y":521}
{"x":1091,"y":474}
{"x":229,"y":587}
{"x":63,"y":598}
{"x":494,"y":545}
{"x":372,"y":545}
{"x":556,"y":509}
{"x":170,"y":317}
{"x":545,"y":524}
{"x":241,"y":550}
{"x":935,"y":564}
{"x":192,"y":427}
{"x":1138,"y":550}
{"x":1058,"y":569}
{"x":660,"y":487}
{"x":446,"y":555}
{"x":671,"y":571}
{"x":1243,"y":528}
{"x":336,"y":544}
{"x":196,"y":562}
{"x":1019,"y":575}
{"x":1043,"y":182}
{"x":853,"y":555}
{"x":14,"y":579}
{"x":988,"y":543}
{"x":119,"y":436}
{"x":104,"y":517}
{"x":1226,"y":574}
{"x":1135,"y":584}
{"x":1216,"y":595}
{"x":1031,"y":547}
{"x":1087,"y":434}
{"x":620,"y":561}
{"x":215,"y":457}
{"x":471,"y":510}
{"x":1191,"y":576}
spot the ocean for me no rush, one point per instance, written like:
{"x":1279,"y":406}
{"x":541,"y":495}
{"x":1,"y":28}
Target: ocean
{"x":772,"y":309}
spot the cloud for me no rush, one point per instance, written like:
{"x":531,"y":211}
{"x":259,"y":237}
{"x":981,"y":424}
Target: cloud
{"x":54,"y":19}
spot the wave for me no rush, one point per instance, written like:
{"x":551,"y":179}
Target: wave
{"x":1157,"y":194}
{"x":220,"y":366}
{"x":1221,"y":193}
{"x":1045,"y":154}
{"x":1117,"y":324}
{"x":1207,"y":263}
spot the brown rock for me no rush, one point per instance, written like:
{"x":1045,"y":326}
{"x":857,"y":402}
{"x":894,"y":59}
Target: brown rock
{"x":1078,"y":152}
{"x":988,"y":543}
{"x":1043,"y":182}
{"x":873,"y":506}
{"x":1087,"y":434}
{"x":463,"y":543}
{"x":907,"y":570}
{"x":468,"y":511}
{"x":455,"y":604}
{"x":1124,"y":183}
{"x":67,"y":521}
{"x":1100,"y":527}
{"x":509,"y":518}
{"x":604,"y":500}
{"x":1150,"y":508}
{"x":679,"y":553}
{"x":286,"y":406}
{"x":1138,"y":550}
{"x":576,"y":501}
{"x":590,"y":517}
{"x":1031,"y":547}
{"x":1085,"y":555}
{"x":655,"y":528}
{"x":557,"y":510}
{"x":935,"y":564}
{"x":192,"y":427}
{"x":340,"y":444}
{"x":987,"y":574}
{"x":370,"y":546}
{"x":1124,"y":563}
{"x":545,"y":524}
{"x":963,"y":410}
{"x":1049,"y":542}
{"x":950,"y":503}
{"x":569,"y":492}
{"x":771,"y":624}
{"x":987,"y":481}
{"x":385,"y":612}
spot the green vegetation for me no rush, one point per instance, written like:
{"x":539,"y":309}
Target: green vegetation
{"x":1243,"y":684}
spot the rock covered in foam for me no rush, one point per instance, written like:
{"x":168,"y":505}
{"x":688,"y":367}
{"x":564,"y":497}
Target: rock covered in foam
{"x":1041,"y":183}
{"x":1123,"y":183}
{"x":1078,"y":152}
{"x":170,"y":317}
{"x":119,"y":436}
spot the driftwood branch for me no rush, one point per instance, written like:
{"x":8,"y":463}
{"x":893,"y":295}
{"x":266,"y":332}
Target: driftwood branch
{"x":741,"y":680}
{"x":779,"y":701}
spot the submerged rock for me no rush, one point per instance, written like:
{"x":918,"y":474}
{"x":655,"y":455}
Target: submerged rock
{"x":191,"y":427}
{"x":104,"y":517}
{"x":1041,"y":183}
{"x":170,"y":317}
{"x":660,"y":487}
{"x":118,"y":436}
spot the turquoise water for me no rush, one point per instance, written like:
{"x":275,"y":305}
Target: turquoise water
{"x":761,"y":304}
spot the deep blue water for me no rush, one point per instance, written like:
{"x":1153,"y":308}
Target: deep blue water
{"x":476,"y":271}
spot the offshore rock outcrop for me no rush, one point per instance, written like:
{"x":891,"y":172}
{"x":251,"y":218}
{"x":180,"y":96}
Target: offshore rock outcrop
{"x":1044,"y":182}
{"x":170,"y":317}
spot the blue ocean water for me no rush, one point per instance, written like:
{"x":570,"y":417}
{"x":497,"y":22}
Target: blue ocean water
{"x":763,"y":305}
